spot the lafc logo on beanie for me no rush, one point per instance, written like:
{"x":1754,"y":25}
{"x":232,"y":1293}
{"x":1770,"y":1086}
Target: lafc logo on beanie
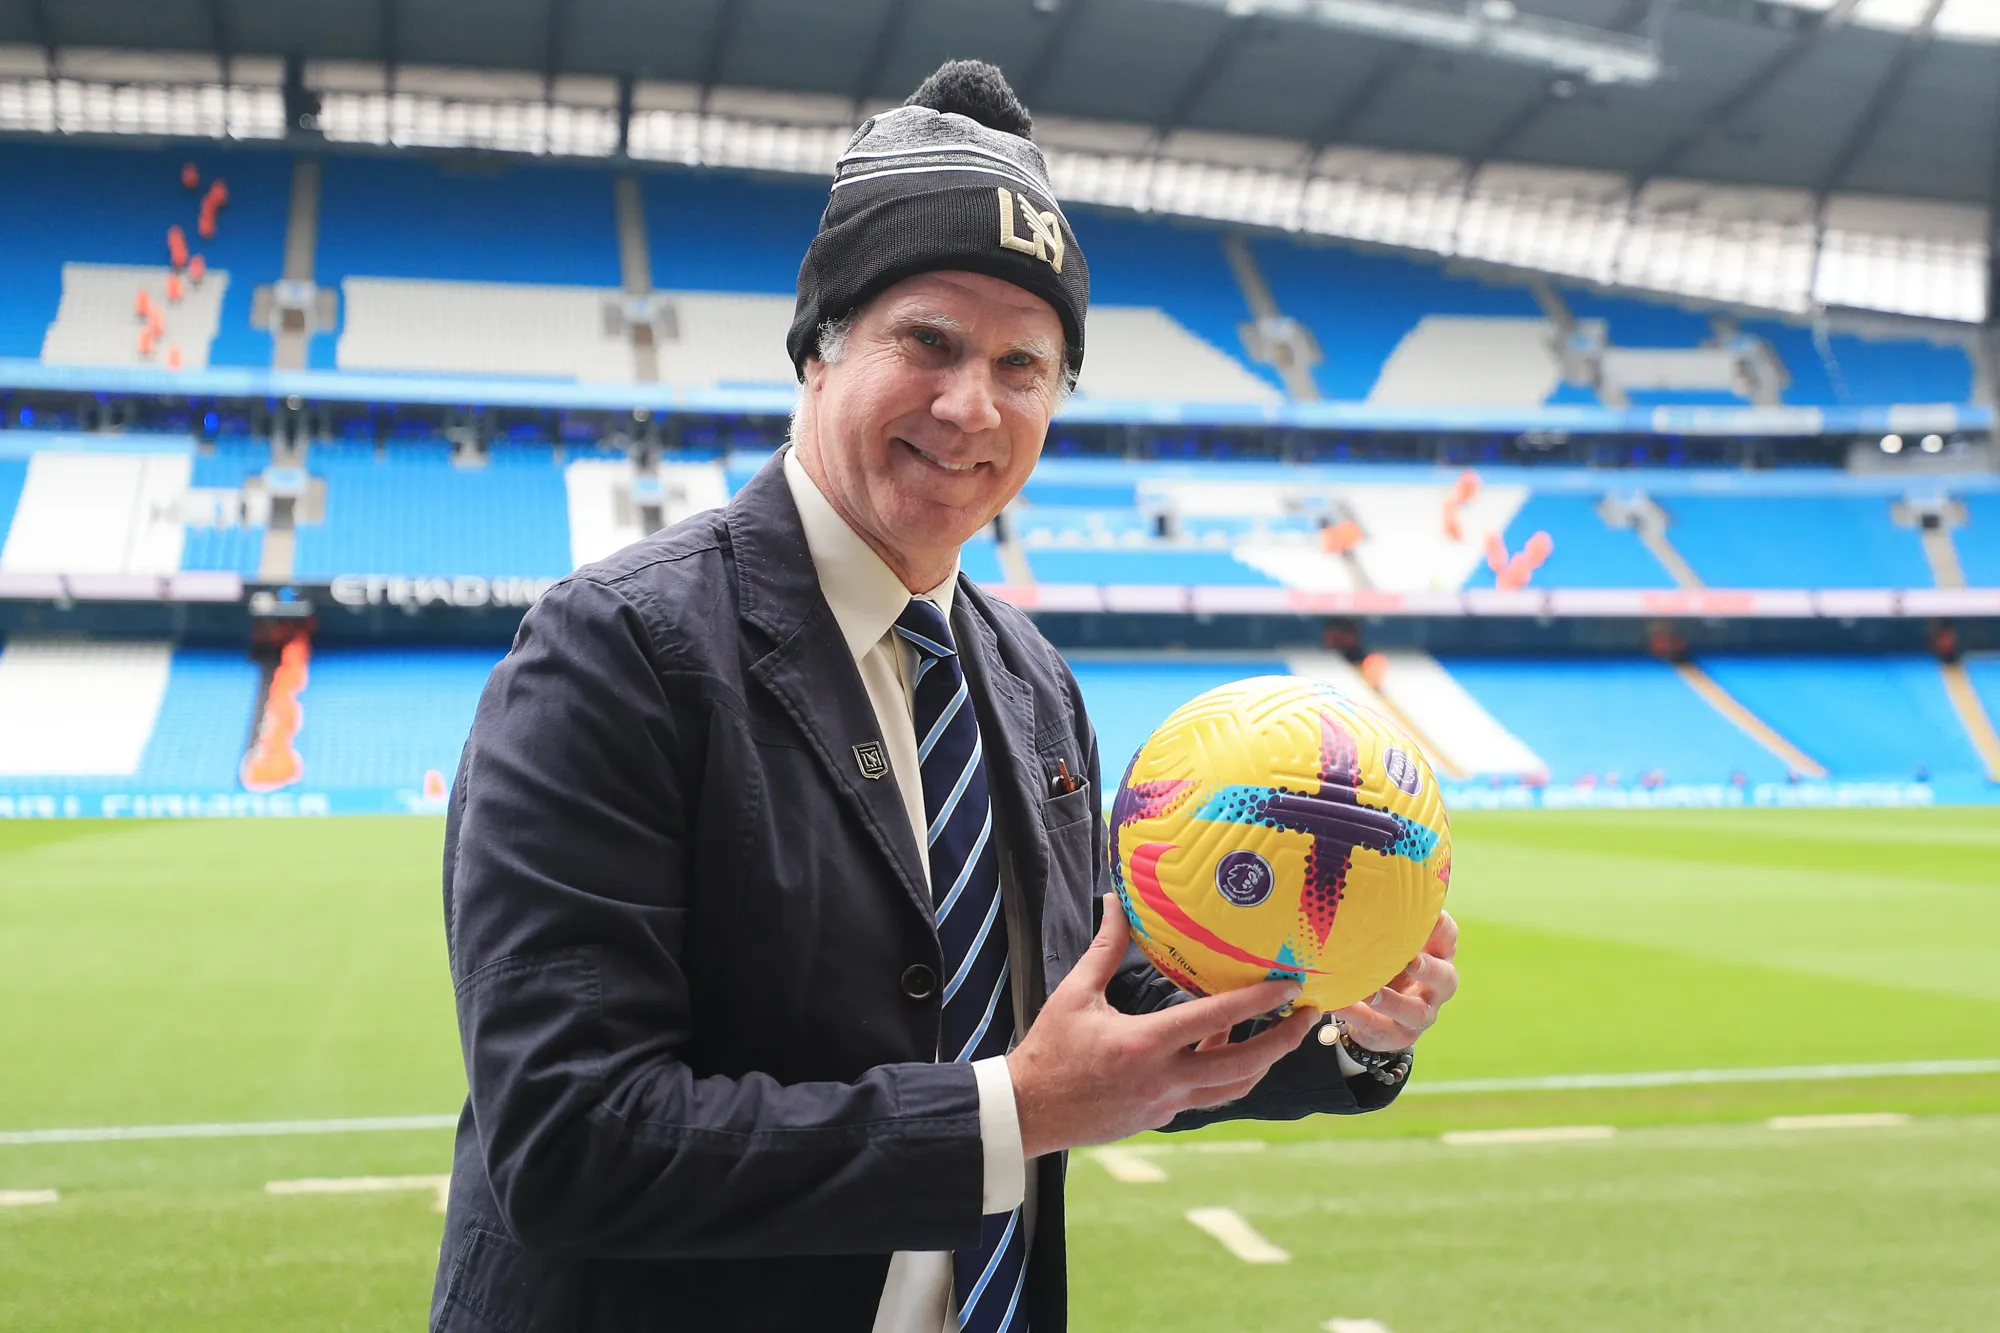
{"x":1044,"y":239}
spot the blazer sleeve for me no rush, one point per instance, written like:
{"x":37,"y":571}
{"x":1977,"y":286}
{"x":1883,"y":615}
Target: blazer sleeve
{"x":566,"y":898}
{"x":1306,"y":1082}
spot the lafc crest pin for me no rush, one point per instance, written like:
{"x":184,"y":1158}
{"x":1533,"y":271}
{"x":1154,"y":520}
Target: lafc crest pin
{"x":873,"y":762}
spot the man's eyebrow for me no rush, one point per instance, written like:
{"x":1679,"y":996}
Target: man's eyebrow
{"x":936,"y":319}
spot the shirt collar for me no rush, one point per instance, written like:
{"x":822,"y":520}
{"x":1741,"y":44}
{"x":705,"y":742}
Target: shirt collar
{"x":864,"y":593}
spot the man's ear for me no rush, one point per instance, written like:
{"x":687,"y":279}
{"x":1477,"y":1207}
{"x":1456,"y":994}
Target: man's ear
{"x":815,"y":372}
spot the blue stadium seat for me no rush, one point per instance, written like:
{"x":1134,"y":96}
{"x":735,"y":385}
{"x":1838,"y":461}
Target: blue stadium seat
{"x":1152,"y":564}
{"x":1631,"y":322}
{"x":380,"y":718}
{"x":1831,"y":541}
{"x":230,"y":461}
{"x":1360,"y":305}
{"x":1977,"y":540}
{"x":13,"y":476}
{"x":412,"y":217}
{"x":1984,"y":669}
{"x":979,"y":560}
{"x":1128,"y":699}
{"x":1627,"y":716}
{"x":1868,"y":371}
{"x":1864,"y":718}
{"x":1178,"y":267}
{"x":204,"y":725}
{"x":410,"y":511}
{"x":723,"y":232}
{"x":1080,"y":525}
{"x":94,"y":205}
{"x":1587,"y":554}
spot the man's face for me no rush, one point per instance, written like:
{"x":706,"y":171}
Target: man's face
{"x":934,"y":416}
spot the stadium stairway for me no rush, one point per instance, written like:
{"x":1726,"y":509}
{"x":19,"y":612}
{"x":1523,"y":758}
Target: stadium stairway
{"x":1884,"y":718}
{"x":1596,"y":719}
{"x":1972,"y":715}
{"x":1703,"y":684}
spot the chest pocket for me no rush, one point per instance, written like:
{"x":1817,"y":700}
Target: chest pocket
{"x":1069,"y":822}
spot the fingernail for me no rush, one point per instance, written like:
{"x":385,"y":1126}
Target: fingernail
{"x":1293,"y":990}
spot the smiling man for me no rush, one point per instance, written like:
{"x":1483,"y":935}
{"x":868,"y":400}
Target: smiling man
{"x":774,"y":852}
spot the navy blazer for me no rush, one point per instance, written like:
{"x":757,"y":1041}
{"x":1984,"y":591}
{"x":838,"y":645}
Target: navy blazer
{"x":695,"y":961}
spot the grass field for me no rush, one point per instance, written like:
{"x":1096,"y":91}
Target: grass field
{"x":256,"y":971}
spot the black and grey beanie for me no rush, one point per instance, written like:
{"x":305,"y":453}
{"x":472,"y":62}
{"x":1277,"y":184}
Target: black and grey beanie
{"x":949,"y":180}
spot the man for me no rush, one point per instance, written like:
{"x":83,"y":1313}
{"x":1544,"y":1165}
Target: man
{"x":769,"y":878}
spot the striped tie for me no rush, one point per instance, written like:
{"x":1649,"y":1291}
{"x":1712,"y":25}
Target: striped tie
{"x":965,"y":893}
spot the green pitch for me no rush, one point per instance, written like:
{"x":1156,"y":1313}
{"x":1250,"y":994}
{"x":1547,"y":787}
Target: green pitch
{"x":251,"y":971}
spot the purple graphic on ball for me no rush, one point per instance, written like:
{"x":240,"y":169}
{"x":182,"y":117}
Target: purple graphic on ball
{"x":1244,"y":878}
{"x":1402,"y":770}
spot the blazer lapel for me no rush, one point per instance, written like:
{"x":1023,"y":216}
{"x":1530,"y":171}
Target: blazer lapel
{"x":809,"y":670}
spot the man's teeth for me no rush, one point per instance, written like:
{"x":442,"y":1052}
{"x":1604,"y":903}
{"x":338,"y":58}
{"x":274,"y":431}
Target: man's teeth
{"x":948,"y":467}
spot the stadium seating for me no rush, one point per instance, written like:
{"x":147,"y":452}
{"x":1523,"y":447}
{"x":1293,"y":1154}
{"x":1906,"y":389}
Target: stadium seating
{"x":412,"y":511}
{"x":13,"y":477}
{"x":1864,"y":718}
{"x":1588,"y":552}
{"x":1977,"y":541}
{"x":1361,"y":304}
{"x":1153,"y":564}
{"x":1796,"y":541}
{"x":112,"y":206}
{"x":1128,"y":698}
{"x":380,"y":718}
{"x":79,"y":717}
{"x":1626,"y":717}
{"x":99,"y":512}
{"x":504,"y":268}
{"x":1984,"y":669}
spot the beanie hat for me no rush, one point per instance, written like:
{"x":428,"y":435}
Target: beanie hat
{"x":948,"y":181}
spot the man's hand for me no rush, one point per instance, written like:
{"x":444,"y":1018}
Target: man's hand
{"x":1086,"y":1073}
{"x":1394,"y":1017}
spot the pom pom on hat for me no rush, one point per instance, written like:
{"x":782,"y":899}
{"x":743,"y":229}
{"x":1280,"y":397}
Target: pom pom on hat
{"x":977,"y":90}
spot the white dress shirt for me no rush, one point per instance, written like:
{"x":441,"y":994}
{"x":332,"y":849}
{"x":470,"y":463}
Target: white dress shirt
{"x":866,"y":597}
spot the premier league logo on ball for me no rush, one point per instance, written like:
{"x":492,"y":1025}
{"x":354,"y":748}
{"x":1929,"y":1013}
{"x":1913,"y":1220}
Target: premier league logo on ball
{"x":1245,"y":878}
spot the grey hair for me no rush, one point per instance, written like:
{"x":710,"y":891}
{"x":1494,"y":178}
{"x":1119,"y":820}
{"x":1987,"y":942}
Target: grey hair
{"x":834,"y":333}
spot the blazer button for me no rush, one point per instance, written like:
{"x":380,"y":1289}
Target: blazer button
{"x":919,"y":982}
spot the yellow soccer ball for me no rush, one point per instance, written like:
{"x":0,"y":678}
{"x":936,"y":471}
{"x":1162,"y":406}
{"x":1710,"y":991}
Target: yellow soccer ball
{"x":1275,"y":827}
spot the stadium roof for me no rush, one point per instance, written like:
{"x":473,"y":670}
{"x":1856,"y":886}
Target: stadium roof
{"x":1896,"y":97}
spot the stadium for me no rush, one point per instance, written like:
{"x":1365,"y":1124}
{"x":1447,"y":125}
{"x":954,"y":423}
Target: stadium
{"x":1603,"y":390}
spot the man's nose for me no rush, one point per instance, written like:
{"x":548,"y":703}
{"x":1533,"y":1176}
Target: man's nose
{"x":966,"y":398}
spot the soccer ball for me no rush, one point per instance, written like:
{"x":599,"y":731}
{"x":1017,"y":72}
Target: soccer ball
{"x":1275,"y":827}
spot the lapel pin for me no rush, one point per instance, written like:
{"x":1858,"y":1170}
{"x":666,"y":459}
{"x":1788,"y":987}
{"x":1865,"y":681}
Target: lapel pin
{"x":872,"y":761}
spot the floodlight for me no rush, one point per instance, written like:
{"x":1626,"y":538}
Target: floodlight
{"x":1933,"y":444}
{"x":1892,"y":444}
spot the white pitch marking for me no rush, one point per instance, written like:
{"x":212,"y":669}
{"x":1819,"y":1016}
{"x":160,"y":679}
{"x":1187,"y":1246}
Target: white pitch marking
{"x":26,"y":1198}
{"x":1129,"y":1166}
{"x":1676,"y":1078}
{"x":359,"y":1185}
{"x":1858,"y":1120}
{"x":255,"y":1129}
{"x":1224,"y":1146}
{"x":1237,"y":1236}
{"x":1464,"y":1138}
{"x":1355,"y":1326}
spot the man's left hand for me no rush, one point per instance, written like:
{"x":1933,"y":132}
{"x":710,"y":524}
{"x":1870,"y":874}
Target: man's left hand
{"x":1394,"y":1017}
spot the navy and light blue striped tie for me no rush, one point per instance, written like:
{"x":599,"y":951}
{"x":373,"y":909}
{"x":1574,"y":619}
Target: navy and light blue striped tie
{"x":965,"y":892}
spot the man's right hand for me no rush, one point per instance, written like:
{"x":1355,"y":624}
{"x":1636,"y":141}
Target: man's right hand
{"x":1086,"y":1073}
